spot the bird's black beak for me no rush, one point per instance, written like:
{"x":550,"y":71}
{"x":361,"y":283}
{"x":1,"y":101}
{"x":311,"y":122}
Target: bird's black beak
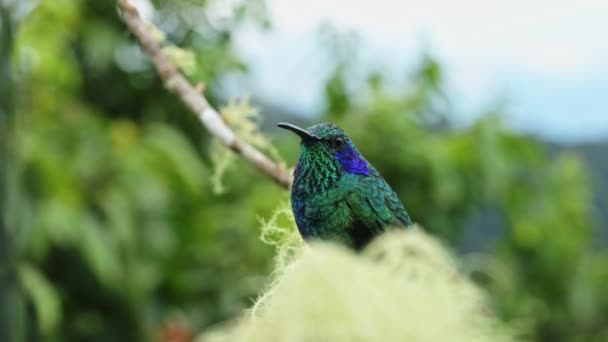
{"x":302,"y":133}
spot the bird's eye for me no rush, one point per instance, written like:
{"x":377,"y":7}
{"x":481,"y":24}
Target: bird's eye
{"x":338,"y":142}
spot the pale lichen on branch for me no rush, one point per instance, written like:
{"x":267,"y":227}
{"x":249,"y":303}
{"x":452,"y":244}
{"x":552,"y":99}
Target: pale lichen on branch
{"x":193,"y":98}
{"x":405,"y":286}
{"x":244,"y":120}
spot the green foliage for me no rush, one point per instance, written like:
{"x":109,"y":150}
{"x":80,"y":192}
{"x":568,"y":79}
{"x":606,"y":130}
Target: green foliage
{"x":11,"y":303}
{"x":113,"y":213}
{"x":118,"y":229}
{"x":44,"y":296}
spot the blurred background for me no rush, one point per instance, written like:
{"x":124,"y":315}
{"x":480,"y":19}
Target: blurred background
{"x":121,"y":223}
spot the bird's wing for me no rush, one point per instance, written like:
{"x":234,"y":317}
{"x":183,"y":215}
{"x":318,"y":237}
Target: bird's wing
{"x":387,"y":200}
{"x":366,"y":210}
{"x":374,"y":204}
{"x":393,"y":203}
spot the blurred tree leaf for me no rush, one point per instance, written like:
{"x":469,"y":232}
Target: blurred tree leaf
{"x":44,"y":296}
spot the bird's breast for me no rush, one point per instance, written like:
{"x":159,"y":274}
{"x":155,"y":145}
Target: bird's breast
{"x":322,"y":212}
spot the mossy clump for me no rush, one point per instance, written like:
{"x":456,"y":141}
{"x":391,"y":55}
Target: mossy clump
{"x":404,"y":287}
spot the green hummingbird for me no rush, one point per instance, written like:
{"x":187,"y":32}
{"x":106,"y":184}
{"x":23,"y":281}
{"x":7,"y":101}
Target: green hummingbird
{"x":336,"y":193}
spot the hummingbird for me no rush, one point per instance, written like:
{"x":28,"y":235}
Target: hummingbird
{"x":336,"y":193}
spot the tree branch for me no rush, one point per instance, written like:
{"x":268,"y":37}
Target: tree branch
{"x":194,"y":99}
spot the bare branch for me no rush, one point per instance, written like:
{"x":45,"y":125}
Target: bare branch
{"x":194,"y":99}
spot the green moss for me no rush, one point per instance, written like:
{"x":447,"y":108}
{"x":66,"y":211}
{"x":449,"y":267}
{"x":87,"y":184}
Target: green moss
{"x":404,"y":287}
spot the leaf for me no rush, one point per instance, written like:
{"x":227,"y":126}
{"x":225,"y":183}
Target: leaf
{"x":178,"y":156}
{"x":100,"y":252}
{"x":43,"y":295}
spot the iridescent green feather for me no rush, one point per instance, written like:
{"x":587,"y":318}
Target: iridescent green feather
{"x":337,"y":194}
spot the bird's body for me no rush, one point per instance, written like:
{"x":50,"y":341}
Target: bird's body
{"x":337,"y":194}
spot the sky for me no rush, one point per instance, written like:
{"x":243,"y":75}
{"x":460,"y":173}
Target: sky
{"x":547,"y":59}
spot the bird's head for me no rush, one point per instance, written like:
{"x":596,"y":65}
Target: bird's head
{"x":327,"y":149}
